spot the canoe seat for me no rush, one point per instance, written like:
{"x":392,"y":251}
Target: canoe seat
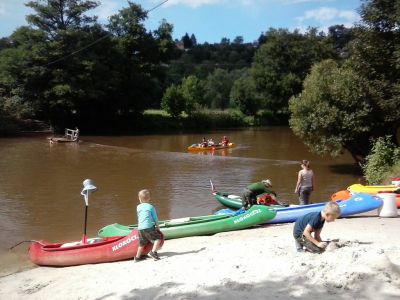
{"x":72,"y":244}
{"x":180,"y":220}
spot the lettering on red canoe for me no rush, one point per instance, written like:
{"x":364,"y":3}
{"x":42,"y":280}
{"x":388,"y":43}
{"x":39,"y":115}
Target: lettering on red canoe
{"x":242,"y":218}
{"x":124,"y":243}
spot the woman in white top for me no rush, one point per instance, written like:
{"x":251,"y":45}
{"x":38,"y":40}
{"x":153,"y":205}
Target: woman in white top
{"x":305,"y":183}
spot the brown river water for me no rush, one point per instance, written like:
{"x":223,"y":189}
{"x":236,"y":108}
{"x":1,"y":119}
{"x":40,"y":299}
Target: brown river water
{"x":40,"y":183}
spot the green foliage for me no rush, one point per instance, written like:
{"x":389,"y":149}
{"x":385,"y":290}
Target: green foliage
{"x":212,"y":119}
{"x":375,"y":55}
{"x":283,"y":61}
{"x":54,"y":16}
{"x":173,"y":101}
{"x":381,"y":161}
{"x":244,"y":95}
{"x":333,"y":111}
{"x":192,"y":90}
{"x":218,"y":86}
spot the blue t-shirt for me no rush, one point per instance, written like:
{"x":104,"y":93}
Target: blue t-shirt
{"x":313,"y":218}
{"x":147,"y":216}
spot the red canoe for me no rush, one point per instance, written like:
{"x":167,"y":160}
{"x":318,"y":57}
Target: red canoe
{"x":97,"y":250}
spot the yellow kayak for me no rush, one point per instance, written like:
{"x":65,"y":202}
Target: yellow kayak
{"x":198,"y":147}
{"x":372,"y":189}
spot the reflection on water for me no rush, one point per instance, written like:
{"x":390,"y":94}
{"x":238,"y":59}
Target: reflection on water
{"x":40,"y":183}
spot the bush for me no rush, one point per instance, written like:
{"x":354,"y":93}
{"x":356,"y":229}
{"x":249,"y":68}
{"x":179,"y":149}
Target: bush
{"x":381,"y":161}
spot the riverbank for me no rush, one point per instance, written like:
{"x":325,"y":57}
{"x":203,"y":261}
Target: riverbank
{"x":248,"y":264}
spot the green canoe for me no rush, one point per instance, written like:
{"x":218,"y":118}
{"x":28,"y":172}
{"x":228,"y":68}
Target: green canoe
{"x":202,"y":225}
{"x":234,"y":201}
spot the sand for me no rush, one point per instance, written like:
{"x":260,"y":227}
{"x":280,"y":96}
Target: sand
{"x":257,"y":263}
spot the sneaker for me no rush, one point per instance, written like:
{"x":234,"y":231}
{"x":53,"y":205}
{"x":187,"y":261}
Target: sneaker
{"x":300,"y":250}
{"x":137,"y":259}
{"x":154,"y":255}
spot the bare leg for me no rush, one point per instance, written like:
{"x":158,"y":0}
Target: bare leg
{"x":156,"y":245}
{"x":139,"y":251}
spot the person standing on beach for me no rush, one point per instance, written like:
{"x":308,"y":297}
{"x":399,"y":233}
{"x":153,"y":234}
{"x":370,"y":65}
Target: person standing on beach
{"x":305,"y":183}
{"x":307,"y":228}
{"x":250,"y":193}
{"x":149,"y":230}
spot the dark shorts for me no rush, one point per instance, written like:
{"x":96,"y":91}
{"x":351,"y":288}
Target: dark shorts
{"x":248,"y":199}
{"x":310,"y":246}
{"x":149,"y":235}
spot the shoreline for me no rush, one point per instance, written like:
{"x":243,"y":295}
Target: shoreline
{"x":248,"y":264}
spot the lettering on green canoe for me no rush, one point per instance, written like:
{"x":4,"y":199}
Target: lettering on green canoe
{"x":124,"y":243}
{"x":242,"y":218}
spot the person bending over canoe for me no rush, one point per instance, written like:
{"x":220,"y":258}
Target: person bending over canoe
{"x":250,"y":193}
{"x":307,"y":229}
{"x":149,"y":231}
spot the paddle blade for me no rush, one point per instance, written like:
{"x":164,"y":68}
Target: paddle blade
{"x":213,"y":189}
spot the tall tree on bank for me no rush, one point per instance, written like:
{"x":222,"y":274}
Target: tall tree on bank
{"x":375,"y":55}
{"x":347,"y":107}
{"x":333,"y":112}
{"x":283,"y":61}
{"x":51,"y":78}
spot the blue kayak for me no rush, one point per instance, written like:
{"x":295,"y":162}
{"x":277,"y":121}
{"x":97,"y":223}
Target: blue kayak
{"x":356,"y":204}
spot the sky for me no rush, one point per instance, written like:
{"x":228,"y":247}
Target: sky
{"x":212,"y":20}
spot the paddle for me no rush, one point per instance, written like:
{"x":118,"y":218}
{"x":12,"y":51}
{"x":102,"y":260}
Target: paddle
{"x":213,"y":189}
{"x":87,"y":187}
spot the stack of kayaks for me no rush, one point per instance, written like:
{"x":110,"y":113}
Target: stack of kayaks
{"x":356,"y":204}
{"x":369,"y":189}
{"x":202,"y":225}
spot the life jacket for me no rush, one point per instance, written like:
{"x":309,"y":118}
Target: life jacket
{"x":266,"y":199}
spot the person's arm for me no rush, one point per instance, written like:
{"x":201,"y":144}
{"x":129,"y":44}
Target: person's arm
{"x":155,"y":217}
{"x":317,"y":235}
{"x":312,"y":181}
{"x":307,"y":233}
{"x":296,"y":190}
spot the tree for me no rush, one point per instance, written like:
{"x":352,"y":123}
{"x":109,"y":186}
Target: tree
{"x":374,"y":55}
{"x":173,"y":101}
{"x":193,"y":39}
{"x":187,"y":42}
{"x":244,"y":95}
{"x":217,"y":88}
{"x":379,"y":162}
{"x":340,"y":37}
{"x":56,"y":15}
{"x":282,"y":62}
{"x":193,"y":93}
{"x":334,"y":111}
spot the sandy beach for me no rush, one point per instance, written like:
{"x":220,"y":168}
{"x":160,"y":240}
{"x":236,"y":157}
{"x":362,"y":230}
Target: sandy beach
{"x":257,"y":263}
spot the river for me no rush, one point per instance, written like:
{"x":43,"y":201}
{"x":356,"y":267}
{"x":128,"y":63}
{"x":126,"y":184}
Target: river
{"x":40,"y":183}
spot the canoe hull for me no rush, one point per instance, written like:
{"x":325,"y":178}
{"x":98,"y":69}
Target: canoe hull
{"x":104,"y":250}
{"x":356,"y":204}
{"x":198,"y":148}
{"x":374,"y":189}
{"x":256,"y":215}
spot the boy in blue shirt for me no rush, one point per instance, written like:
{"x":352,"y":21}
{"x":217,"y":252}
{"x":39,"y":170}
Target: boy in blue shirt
{"x":307,"y":229}
{"x":149,"y":231}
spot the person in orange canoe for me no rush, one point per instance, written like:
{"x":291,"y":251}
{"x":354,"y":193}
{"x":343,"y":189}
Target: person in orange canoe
{"x":224,"y":141}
